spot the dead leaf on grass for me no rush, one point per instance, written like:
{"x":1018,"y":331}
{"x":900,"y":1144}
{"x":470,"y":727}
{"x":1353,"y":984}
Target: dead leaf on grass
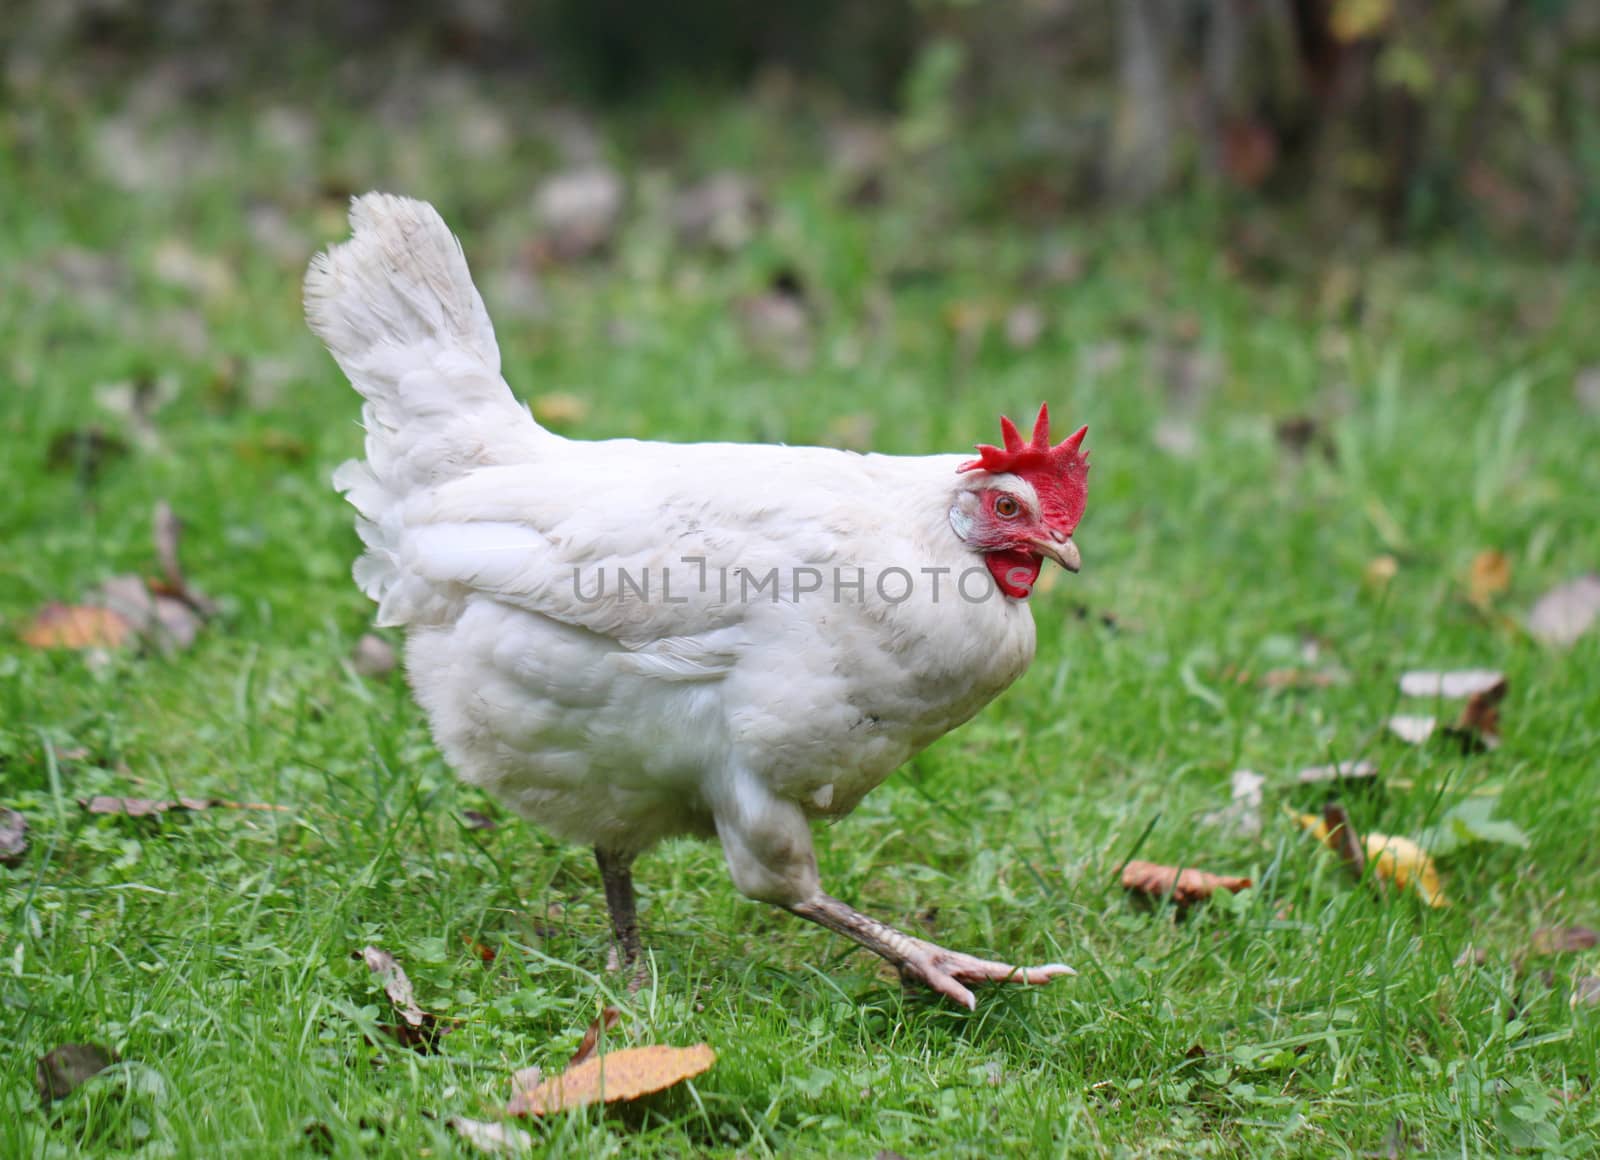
{"x":1185,"y":886}
{"x":86,"y":451}
{"x":723,"y":212}
{"x":490,"y":1137}
{"x":604,"y":1022}
{"x":1338,"y":771}
{"x":1397,"y":860}
{"x":477,"y":820}
{"x":1413,"y":729}
{"x":417,"y":1028}
{"x":614,"y":1077}
{"x":1242,"y":816}
{"x":76,"y":626}
{"x":1451,"y":685}
{"x":13,"y":837}
{"x":1586,"y":992}
{"x":1563,"y":940}
{"x":133,"y":807}
{"x":579,"y":211}
{"x":1489,"y":576}
{"x":1566,"y":612}
{"x":69,"y":1066}
{"x":560,"y":409}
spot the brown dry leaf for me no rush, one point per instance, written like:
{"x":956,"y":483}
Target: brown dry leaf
{"x":13,"y":837}
{"x":1563,"y":940}
{"x":1339,"y":771}
{"x":149,"y":807}
{"x":1186,"y":886}
{"x":1380,"y":571}
{"x":1566,"y":612}
{"x":417,"y":1028}
{"x":69,"y":1066}
{"x":1586,"y":992}
{"x":478,"y":820}
{"x":1478,"y":727}
{"x":1344,"y":840}
{"x":1489,"y":576}
{"x":1397,"y":860}
{"x":614,"y":1077}
{"x":1451,"y":685}
{"x":487,"y":1136}
{"x":559,"y":408}
{"x":77,"y":626}
{"x":604,"y":1022}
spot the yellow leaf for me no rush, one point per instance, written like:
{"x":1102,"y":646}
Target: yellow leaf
{"x":77,"y":626}
{"x":1489,"y":576}
{"x":614,"y":1077}
{"x":559,"y":408}
{"x":1397,"y":860}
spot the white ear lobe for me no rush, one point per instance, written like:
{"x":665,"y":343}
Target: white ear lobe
{"x":960,"y":523}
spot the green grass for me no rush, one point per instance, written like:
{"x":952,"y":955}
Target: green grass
{"x":213,"y":951}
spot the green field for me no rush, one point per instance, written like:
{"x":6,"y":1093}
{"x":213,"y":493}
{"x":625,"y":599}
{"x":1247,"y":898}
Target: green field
{"x":213,"y":950}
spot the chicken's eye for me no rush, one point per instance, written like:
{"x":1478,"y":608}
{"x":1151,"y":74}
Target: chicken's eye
{"x":1007,"y":508}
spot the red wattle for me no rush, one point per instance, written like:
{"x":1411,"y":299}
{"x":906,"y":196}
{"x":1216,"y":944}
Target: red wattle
{"x":1014,"y":570}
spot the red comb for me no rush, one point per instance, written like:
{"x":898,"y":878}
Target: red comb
{"x":1058,"y":474}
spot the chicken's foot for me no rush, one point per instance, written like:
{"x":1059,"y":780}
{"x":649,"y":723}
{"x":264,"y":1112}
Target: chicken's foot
{"x":627,"y":951}
{"x":918,"y":960}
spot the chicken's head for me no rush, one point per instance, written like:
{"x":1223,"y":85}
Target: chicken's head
{"x":1023,"y":504}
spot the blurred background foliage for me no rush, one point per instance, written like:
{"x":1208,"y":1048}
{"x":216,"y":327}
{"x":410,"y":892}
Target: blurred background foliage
{"x":1395,"y":119}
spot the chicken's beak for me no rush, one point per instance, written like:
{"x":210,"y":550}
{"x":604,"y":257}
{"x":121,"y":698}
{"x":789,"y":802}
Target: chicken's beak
{"x":1064,"y":553}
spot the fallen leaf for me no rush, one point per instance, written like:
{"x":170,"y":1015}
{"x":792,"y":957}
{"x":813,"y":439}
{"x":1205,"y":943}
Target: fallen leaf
{"x":373,"y":656}
{"x":1489,"y":576}
{"x":1242,"y":816}
{"x":559,"y":408}
{"x":1397,"y":860}
{"x":1343,"y":839}
{"x":1450,"y":685}
{"x":1339,"y":771}
{"x":605,"y":1021}
{"x":485,"y":953}
{"x":417,"y":1028}
{"x":1566,"y":612}
{"x":69,"y":1066}
{"x":13,"y":837}
{"x":579,"y":211}
{"x":1380,"y":571}
{"x":1585,"y":992}
{"x":142,"y":807}
{"x":477,"y":820}
{"x":1478,"y":727}
{"x":526,"y":1077}
{"x":1586,"y":389}
{"x":1562,"y":940}
{"x":1024,"y":326}
{"x":179,"y":264}
{"x":77,"y":626}
{"x":1412,"y":729}
{"x":86,"y":451}
{"x":1185,"y":887}
{"x":723,"y":212}
{"x":614,"y":1077}
{"x":491,"y":1137}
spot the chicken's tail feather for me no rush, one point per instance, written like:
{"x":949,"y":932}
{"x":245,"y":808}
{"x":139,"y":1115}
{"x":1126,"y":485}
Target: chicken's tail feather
{"x":397,"y":309}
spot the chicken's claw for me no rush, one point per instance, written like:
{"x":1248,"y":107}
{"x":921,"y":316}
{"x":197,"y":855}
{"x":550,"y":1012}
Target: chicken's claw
{"x":946,"y":971}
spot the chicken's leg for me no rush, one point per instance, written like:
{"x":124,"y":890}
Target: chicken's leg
{"x":616,"y":872}
{"x":918,"y":960}
{"x":767,"y":842}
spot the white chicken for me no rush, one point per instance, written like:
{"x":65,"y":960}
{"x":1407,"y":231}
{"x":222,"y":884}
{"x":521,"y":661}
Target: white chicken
{"x":626,"y":641}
